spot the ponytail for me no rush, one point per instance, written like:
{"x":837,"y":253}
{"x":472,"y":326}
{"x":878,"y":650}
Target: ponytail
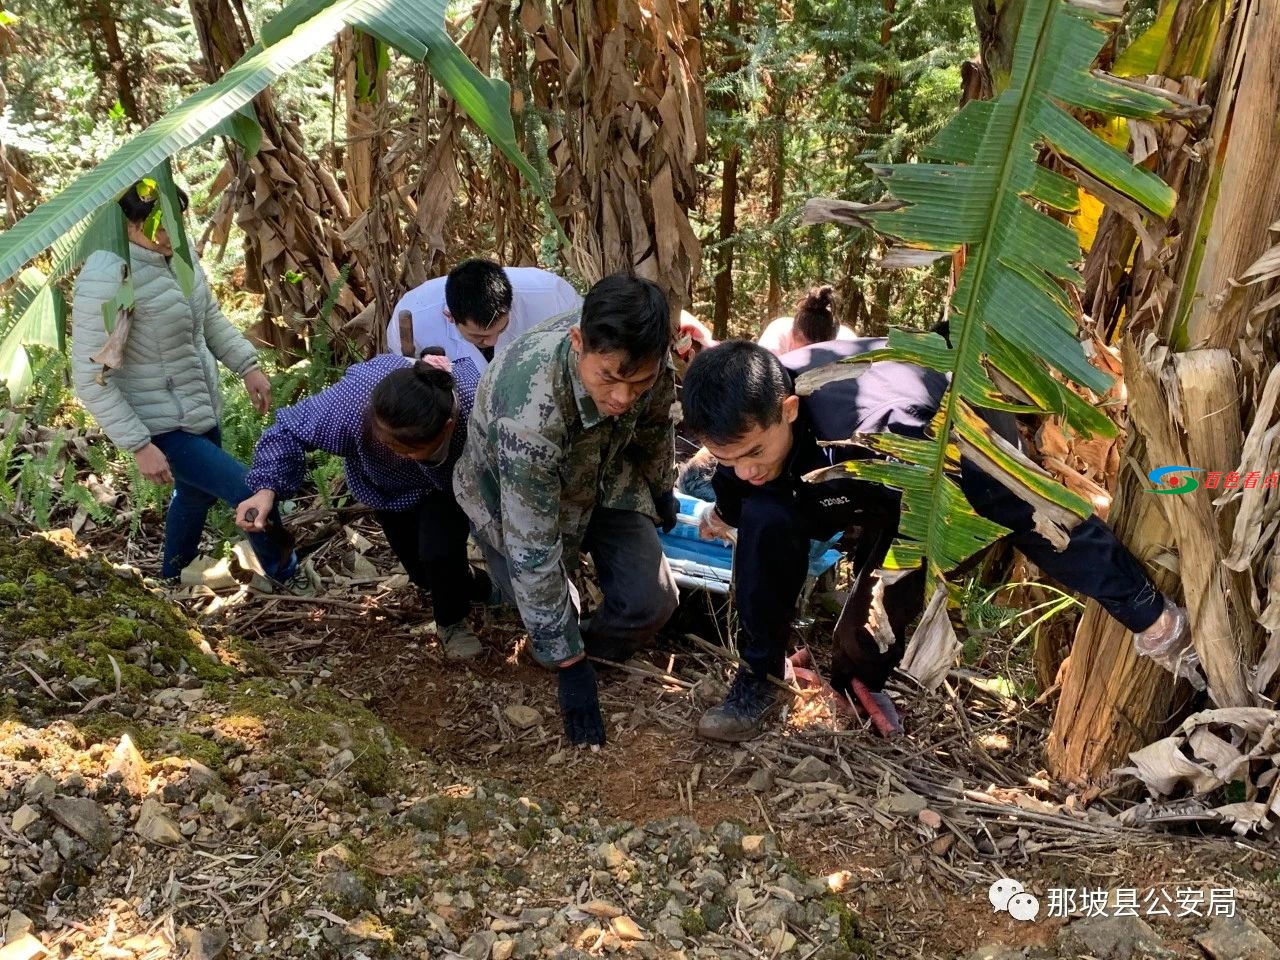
{"x":413,"y":405}
{"x":815,"y":319}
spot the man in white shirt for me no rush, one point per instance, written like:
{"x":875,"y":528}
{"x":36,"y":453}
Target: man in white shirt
{"x":477,"y":310}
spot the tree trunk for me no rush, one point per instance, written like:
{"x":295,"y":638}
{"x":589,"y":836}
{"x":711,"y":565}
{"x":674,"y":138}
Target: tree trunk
{"x":1211,"y":248}
{"x":777,"y":184}
{"x":364,"y":90}
{"x":728,"y":227}
{"x":723,"y":286}
{"x":291,"y":210}
{"x":110,"y":63}
{"x":625,"y":81}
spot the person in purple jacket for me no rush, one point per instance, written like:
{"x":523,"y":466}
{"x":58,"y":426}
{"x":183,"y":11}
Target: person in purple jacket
{"x":400,"y":425}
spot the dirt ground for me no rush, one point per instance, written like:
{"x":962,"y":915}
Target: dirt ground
{"x":919,"y":891}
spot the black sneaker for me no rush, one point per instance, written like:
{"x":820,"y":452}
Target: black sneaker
{"x":741,"y":715}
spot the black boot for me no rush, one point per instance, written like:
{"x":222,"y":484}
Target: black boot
{"x":742,"y":713}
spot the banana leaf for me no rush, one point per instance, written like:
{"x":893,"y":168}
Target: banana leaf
{"x":1013,"y":324}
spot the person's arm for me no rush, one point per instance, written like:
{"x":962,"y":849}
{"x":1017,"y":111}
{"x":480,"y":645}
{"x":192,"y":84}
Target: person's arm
{"x":529,"y":475}
{"x":225,"y":342}
{"x":653,"y":449}
{"x":332,"y":421}
{"x":729,"y":496}
{"x":95,"y":385}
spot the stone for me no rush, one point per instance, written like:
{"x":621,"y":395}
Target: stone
{"x":127,"y":763}
{"x":758,"y":846}
{"x":995,"y":951}
{"x":40,"y":788}
{"x":479,"y":945}
{"x":84,"y":818}
{"x":810,"y":770}
{"x":209,"y":943}
{"x":1113,"y":938}
{"x":17,"y":926}
{"x":761,"y":781}
{"x":711,"y":880}
{"x":340,"y":763}
{"x":234,"y":817}
{"x":905,"y":804}
{"x":611,"y":856}
{"x":191,"y":697}
{"x":601,"y":909}
{"x":503,"y":950}
{"x":522,"y":717}
{"x":155,"y":825}
{"x":24,"y":817}
{"x":257,"y":930}
{"x":626,"y":929}
{"x":26,"y":947}
{"x":780,"y":941}
{"x":348,"y":889}
{"x":84,"y":685}
{"x":1237,"y":938}
{"x":930,"y":818}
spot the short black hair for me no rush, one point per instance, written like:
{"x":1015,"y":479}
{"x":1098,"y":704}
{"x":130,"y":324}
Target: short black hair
{"x":731,"y":388}
{"x":623,"y":313}
{"x":815,"y":318}
{"x":136,"y":209}
{"x":413,"y":404}
{"x":477,"y":292}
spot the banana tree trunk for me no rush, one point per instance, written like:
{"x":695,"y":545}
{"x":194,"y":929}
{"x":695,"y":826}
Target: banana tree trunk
{"x":289,"y":205}
{"x":1225,"y":207}
{"x":622,"y":82}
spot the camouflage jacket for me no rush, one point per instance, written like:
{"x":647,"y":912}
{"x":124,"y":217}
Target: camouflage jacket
{"x":540,"y":457}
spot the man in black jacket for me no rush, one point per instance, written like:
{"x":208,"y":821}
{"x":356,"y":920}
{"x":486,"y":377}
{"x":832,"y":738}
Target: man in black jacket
{"x":739,"y":400}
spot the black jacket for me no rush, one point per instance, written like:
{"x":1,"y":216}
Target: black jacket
{"x":890,"y":397}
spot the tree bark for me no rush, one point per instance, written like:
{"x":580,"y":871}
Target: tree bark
{"x":722,"y":304}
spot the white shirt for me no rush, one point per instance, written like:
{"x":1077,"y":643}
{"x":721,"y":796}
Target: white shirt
{"x":779,"y":336}
{"x":536,"y":295}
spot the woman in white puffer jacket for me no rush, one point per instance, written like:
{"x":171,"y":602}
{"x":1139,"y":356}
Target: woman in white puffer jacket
{"x":162,"y":402}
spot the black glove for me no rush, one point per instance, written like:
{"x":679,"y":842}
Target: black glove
{"x":580,"y":704}
{"x":668,"y":509}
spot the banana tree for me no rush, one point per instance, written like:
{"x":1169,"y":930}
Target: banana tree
{"x":1013,"y":326}
{"x":414,"y":27}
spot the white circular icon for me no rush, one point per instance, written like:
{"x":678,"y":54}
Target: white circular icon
{"x":1023,"y":907}
{"x":1001,"y":891}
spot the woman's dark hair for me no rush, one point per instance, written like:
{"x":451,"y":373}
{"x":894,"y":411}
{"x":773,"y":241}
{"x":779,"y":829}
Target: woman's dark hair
{"x":629,"y":315}
{"x":137,"y":209}
{"x":413,"y":404}
{"x":731,"y":388}
{"x":816,"y":315}
{"x":476,"y":291}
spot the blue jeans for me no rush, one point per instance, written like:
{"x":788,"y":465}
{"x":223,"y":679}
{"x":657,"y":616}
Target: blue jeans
{"x":204,"y":473}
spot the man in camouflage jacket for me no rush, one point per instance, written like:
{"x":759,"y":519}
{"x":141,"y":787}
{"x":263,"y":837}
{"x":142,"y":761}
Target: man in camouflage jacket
{"x":571,"y":447}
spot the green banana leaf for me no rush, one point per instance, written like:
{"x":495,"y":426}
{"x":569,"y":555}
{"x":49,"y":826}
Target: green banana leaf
{"x":1013,"y":325}
{"x":415,"y":27}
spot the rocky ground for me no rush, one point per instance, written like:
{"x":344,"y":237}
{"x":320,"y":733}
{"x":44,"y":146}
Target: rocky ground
{"x":332,"y":788}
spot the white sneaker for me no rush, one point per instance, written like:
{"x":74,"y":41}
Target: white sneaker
{"x":459,"y":641}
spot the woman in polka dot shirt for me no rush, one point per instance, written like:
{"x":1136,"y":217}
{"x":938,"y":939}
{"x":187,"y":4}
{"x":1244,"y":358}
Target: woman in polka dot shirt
{"x":400,"y":425}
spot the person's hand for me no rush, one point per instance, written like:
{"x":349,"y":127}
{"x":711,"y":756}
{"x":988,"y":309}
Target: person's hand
{"x":580,"y":703}
{"x":668,"y":510}
{"x":259,"y":387}
{"x":712,"y":527}
{"x":252,"y":512}
{"x":153,"y":464}
{"x":694,"y":335}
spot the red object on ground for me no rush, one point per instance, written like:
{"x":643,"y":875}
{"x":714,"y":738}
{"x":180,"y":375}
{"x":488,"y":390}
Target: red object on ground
{"x":801,"y":670}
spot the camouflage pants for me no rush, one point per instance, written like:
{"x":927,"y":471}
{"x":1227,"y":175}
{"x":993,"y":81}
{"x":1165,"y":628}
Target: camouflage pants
{"x":640,"y":594}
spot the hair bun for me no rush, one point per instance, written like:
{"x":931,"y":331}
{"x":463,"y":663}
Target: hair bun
{"x":824,"y":294}
{"x":429,"y":366}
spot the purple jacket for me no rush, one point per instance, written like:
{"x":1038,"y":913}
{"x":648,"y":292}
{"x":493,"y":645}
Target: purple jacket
{"x":334,"y":420}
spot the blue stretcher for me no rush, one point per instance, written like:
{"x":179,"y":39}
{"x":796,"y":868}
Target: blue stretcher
{"x":708,"y":564}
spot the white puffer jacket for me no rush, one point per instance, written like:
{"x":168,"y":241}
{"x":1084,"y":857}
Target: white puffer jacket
{"x":169,"y":380}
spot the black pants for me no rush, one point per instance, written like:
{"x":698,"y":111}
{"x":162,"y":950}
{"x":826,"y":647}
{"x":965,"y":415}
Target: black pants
{"x":772,"y":560}
{"x":430,"y":541}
